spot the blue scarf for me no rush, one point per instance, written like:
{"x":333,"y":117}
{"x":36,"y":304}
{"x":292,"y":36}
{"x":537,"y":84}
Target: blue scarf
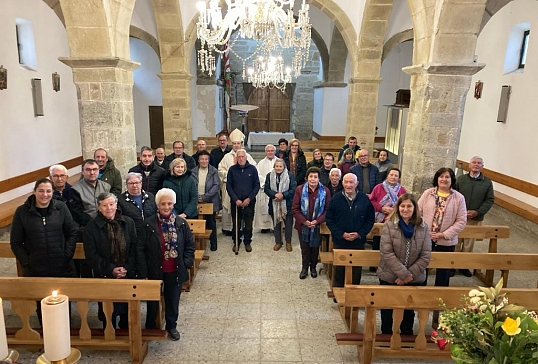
{"x":168,"y":228}
{"x":312,"y":235}
{"x":407,"y":229}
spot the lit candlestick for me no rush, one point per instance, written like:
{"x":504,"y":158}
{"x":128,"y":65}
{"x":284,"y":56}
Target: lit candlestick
{"x":3,"y":339}
{"x":56,"y":333}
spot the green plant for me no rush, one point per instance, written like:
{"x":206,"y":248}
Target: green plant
{"x":486,"y":329}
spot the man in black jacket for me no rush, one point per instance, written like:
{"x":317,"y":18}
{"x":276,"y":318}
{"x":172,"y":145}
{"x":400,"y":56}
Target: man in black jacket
{"x":351,"y":144}
{"x":179,"y":152}
{"x":152,"y":174}
{"x":242,"y":184}
{"x":221,"y":150}
{"x":350,"y":218}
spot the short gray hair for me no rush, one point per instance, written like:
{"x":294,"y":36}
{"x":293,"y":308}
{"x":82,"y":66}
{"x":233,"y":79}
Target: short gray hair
{"x":241,"y":150}
{"x":57,"y":166}
{"x":278,"y":160}
{"x":165,"y":192}
{"x":269,"y":146}
{"x":104,"y":195}
{"x":336,"y":170}
{"x":130,"y":175}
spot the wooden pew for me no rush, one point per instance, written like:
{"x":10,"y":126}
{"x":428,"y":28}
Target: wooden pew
{"x":422,"y":299}
{"x":205,"y":209}
{"x":198,"y":231}
{"x":490,"y":232}
{"x":457,"y":260}
{"x":24,"y":292}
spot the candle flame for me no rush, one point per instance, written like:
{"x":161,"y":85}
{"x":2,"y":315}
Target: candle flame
{"x":54,"y":293}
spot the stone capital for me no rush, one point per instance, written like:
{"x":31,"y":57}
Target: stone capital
{"x":444,"y":69}
{"x":100,"y":62}
{"x":329,"y":84}
{"x":175,"y":76}
{"x":365,"y":80}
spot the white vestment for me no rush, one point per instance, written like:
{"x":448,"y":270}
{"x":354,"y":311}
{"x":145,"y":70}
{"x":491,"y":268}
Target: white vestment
{"x":262,"y":219}
{"x":224,"y":165}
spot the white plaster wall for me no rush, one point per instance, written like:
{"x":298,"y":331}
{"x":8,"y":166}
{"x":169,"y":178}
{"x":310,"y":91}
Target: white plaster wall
{"x":323,"y":25}
{"x":147,"y":89}
{"x":330,"y":112}
{"x":27,"y":142}
{"x":207,"y":98}
{"x":504,"y":146}
{"x":400,"y":19}
{"x":144,"y":17}
{"x":393,"y":79}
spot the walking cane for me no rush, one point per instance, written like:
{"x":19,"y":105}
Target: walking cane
{"x":236,"y":243}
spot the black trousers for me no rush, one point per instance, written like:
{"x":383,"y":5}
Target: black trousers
{"x":288,"y":228}
{"x":171,"y":293}
{"x":339,"y":273}
{"x":310,"y":255}
{"x":442,"y":276}
{"x":406,"y":326}
{"x":211,"y":224}
{"x":244,"y":215}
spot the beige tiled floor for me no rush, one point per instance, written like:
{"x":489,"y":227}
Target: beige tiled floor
{"x":252,"y":308}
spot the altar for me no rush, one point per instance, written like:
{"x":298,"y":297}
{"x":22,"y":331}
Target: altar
{"x":263,"y":138}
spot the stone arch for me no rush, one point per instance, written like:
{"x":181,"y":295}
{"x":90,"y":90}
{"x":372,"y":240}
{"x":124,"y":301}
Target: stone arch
{"x":364,"y":86}
{"x":145,"y":37}
{"x":403,"y":36}
{"x":323,"y":52}
{"x":170,"y":33}
{"x":492,"y":7}
{"x":56,"y":7}
{"x":337,"y":59}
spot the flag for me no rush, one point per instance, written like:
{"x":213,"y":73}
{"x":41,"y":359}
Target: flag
{"x":227,"y":86}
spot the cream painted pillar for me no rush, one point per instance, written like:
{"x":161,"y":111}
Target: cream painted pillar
{"x":176,"y":91}
{"x":362,"y":110}
{"x":434,"y":121}
{"x":105,"y":98}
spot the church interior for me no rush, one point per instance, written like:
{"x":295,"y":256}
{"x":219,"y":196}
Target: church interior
{"x":122,"y":74}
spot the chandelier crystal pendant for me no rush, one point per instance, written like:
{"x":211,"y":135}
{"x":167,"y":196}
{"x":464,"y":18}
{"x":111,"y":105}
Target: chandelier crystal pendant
{"x":269,"y":72}
{"x":259,"y":20}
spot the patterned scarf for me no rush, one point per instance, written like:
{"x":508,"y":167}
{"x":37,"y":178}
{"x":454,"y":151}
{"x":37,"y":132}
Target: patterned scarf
{"x":389,"y":199}
{"x":116,"y":239}
{"x":279,"y":183}
{"x":312,"y":235}
{"x":440,"y":207}
{"x":168,"y":227}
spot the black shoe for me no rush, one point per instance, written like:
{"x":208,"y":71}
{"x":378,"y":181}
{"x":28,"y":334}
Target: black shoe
{"x":213,"y":247}
{"x":452,"y":272}
{"x":227,"y":232}
{"x":248,"y":248}
{"x":265,"y":231}
{"x":313,"y":273}
{"x":466,"y":272}
{"x":373,"y":269}
{"x":304,"y":273}
{"x":173,"y":334}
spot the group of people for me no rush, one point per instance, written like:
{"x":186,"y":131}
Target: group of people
{"x":142,"y":232}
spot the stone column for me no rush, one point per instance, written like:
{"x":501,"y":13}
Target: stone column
{"x":362,"y":110}
{"x":176,"y":91}
{"x":438,"y":94}
{"x":105,"y":102}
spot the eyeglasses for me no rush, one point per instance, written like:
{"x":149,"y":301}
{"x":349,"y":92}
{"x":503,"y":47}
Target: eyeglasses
{"x":133,"y":183}
{"x":57,"y":176}
{"x":92,"y":170}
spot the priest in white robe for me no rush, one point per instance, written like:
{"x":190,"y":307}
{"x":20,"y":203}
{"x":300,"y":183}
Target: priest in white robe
{"x":229,"y":159}
{"x":262,"y":219}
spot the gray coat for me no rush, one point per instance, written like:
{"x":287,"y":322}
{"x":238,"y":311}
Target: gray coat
{"x":393,"y":253}
{"x":212,"y":186}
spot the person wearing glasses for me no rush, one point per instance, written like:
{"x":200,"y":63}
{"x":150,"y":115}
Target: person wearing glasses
{"x":179,"y":152}
{"x":83,"y":194}
{"x":61,"y":188}
{"x":135,"y":202}
{"x":367,"y":174}
{"x":296,"y":161}
{"x":83,"y":204}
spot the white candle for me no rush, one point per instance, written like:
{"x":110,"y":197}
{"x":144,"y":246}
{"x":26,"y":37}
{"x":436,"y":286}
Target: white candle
{"x":56,"y":333}
{"x":3,"y":339}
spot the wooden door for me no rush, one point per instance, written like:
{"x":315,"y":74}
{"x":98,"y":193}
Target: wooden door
{"x":273,"y":113}
{"x":156,"y":128}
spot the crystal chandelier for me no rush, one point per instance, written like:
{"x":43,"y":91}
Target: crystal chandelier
{"x":269,"y":72}
{"x":259,"y":20}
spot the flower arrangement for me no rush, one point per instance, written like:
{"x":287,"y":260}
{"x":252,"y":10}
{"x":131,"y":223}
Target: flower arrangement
{"x":488,"y":330}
